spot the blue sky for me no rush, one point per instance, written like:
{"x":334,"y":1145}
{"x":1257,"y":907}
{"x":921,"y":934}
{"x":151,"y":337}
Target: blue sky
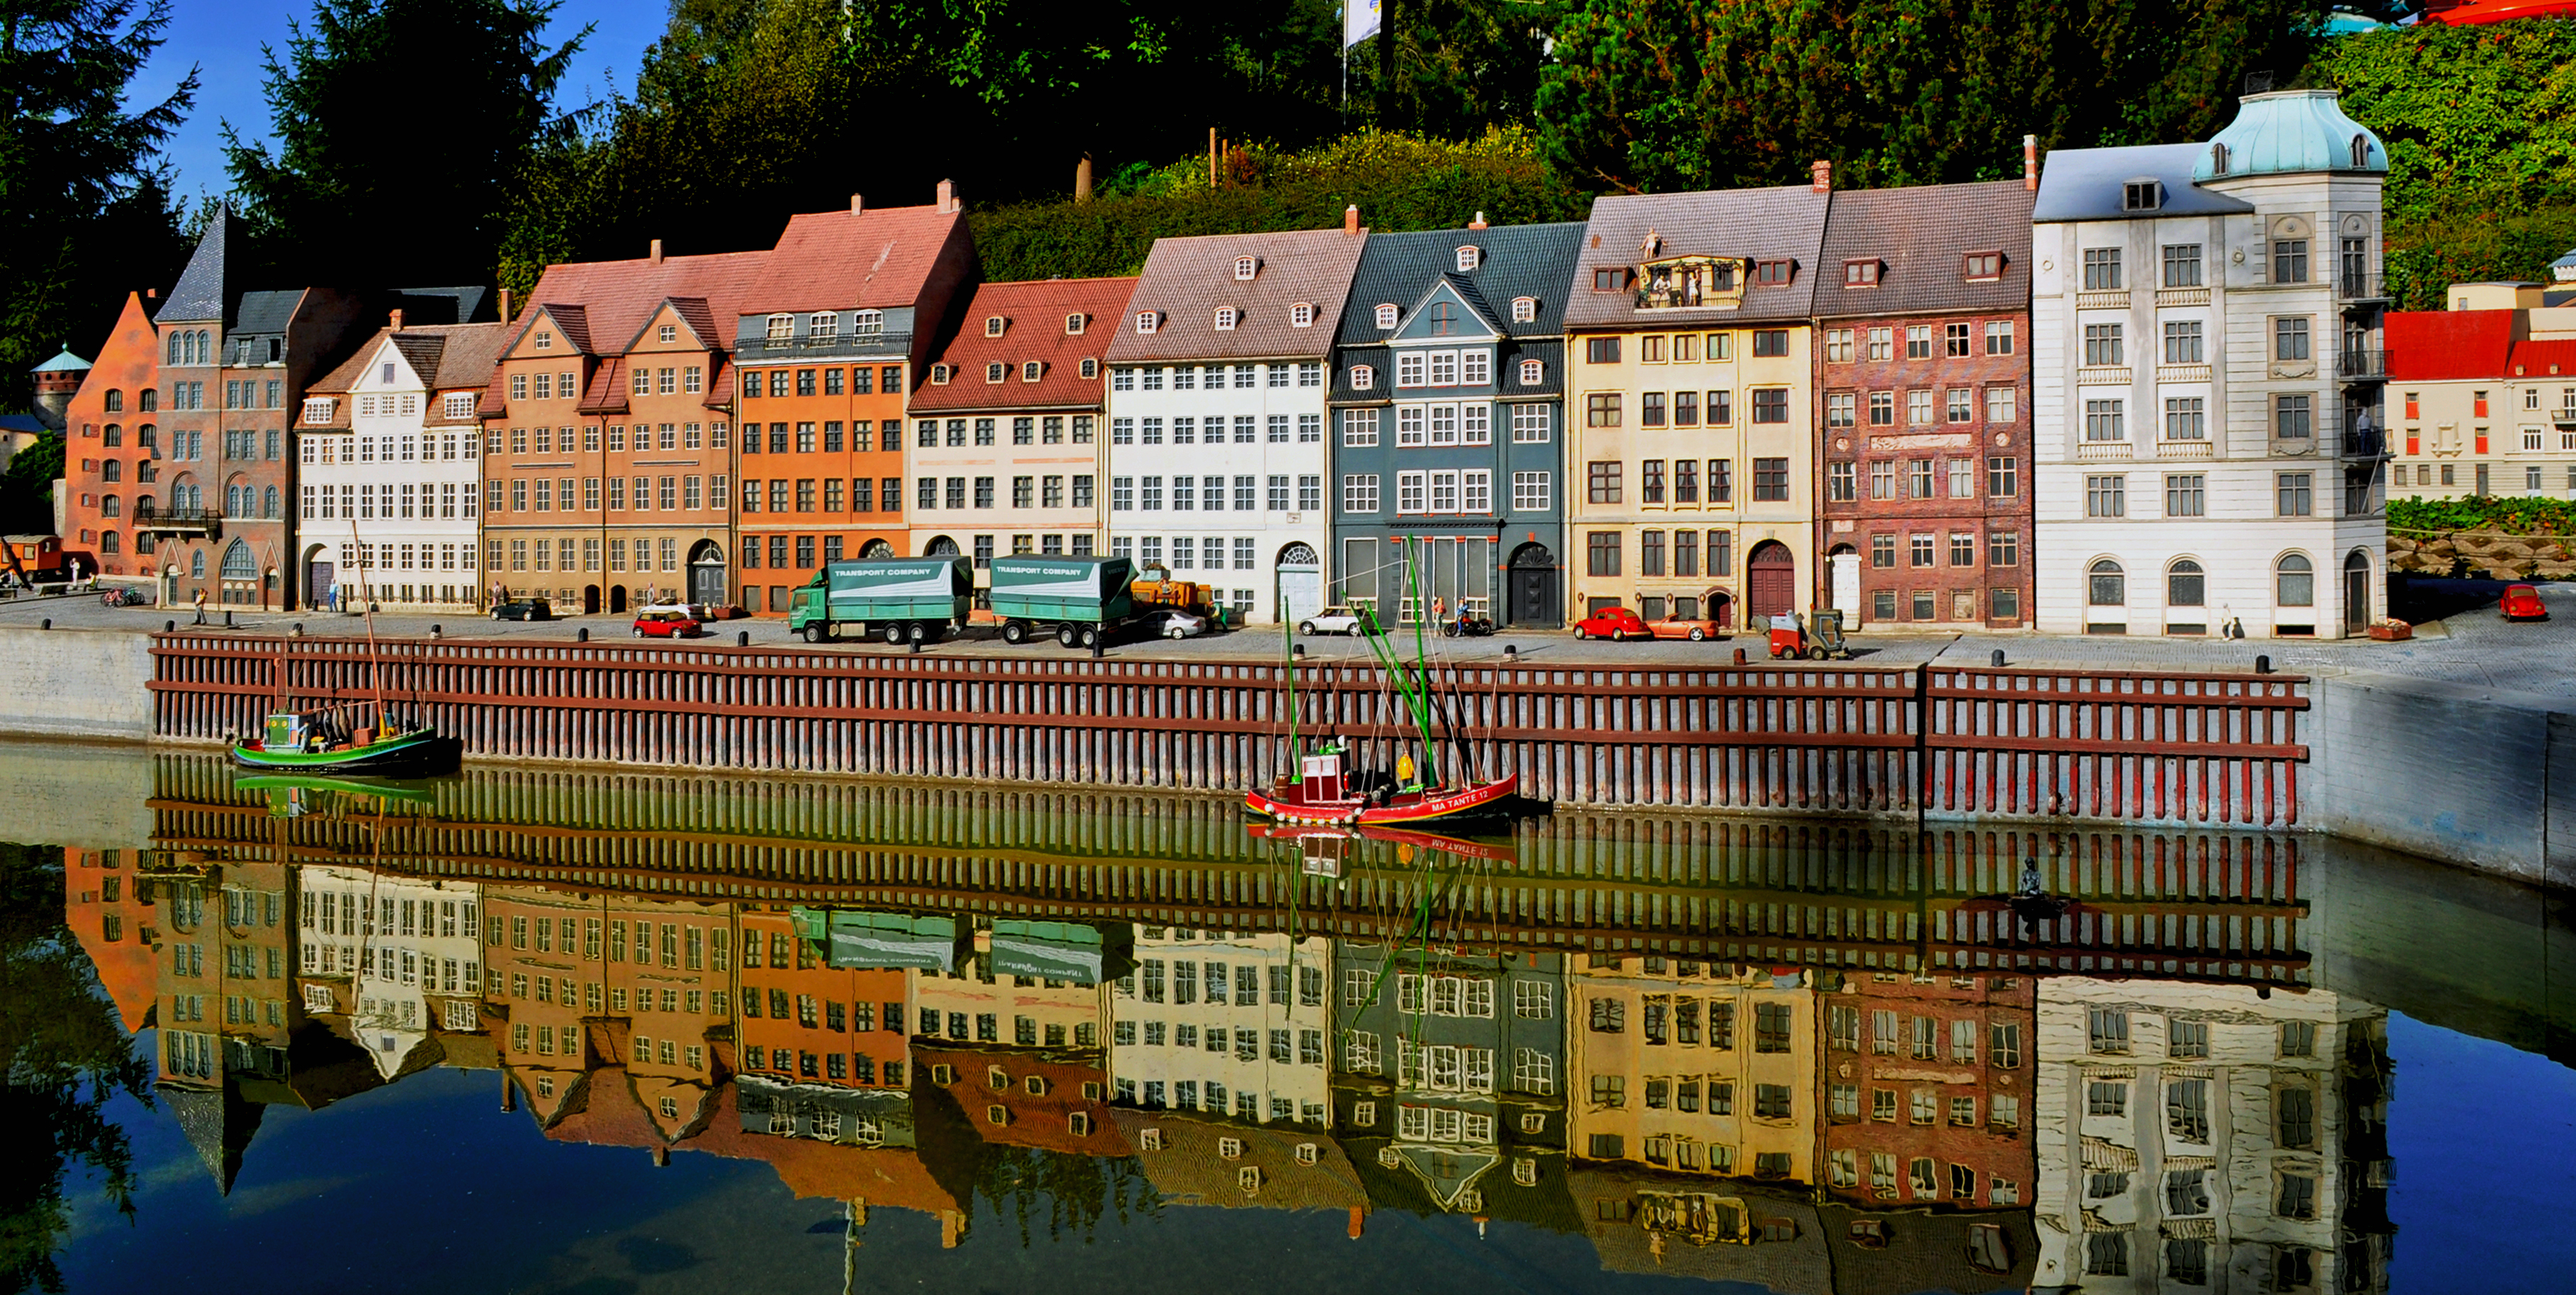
{"x":222,"y":38}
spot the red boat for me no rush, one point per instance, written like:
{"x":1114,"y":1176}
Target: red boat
{"x":1321,"y":794}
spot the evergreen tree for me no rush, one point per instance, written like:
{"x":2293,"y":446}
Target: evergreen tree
{"x":403,"y":127}
{"x":85,"y":212}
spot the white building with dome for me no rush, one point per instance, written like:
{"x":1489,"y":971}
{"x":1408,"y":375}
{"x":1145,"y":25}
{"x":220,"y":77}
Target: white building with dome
{"x":2207,"y":376}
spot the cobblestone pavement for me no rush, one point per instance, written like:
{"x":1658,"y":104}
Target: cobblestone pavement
{"x":2468,"y":644}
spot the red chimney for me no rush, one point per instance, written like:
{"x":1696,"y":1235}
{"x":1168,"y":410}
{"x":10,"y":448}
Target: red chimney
{"x":1351,"y":219}
{"x":657,"y":251}
{"x":397,"y":319}
{"x":947,"y":196}
{"x":2030,"y":163}
{"x":1824,"y":177}
{"x":506,"y":316}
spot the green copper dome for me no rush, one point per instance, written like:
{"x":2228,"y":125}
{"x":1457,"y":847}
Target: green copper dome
{"x":63,"y":363}
{"x":2290,"y":132}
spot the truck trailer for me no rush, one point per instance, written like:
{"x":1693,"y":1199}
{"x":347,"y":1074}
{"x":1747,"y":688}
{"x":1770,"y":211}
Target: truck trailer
{"x":897,"y":599}
{"x":1082,"y":601}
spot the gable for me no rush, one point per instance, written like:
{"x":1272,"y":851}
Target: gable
{"x":552,"y":332}
{"x":1465,"y":319}
{"x":692,"y":327}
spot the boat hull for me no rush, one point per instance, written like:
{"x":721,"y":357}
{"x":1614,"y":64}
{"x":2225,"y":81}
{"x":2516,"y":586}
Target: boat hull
{"x":415,"y":755}
{"x":1482,"y":799}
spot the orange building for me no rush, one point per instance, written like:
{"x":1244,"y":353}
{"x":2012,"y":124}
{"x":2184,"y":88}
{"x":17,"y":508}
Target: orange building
{"x":112,"y":458}
{"x":113,"y":918}
{"x":846,"y":314}
{"x":607,"y":450}
{"x":806,"y":1023}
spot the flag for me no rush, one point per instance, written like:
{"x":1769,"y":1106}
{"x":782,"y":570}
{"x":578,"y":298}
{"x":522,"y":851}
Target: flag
{"x":1359,"y":21}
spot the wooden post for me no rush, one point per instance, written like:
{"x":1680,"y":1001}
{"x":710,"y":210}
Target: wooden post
{"x":1211,"y":157}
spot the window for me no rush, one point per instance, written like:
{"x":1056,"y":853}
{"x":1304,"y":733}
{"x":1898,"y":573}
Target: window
{"x":2296,"y":493}
{"x":1601,"y":551}
{"x":2186,"y":417}
{"x":1861,"y":273}
{"x":2186,"y":495}
{"x":1978,"y":266}
{"x":2294,"y":418}
{"x":1301,"y":315}
{"x":1225,"y":317}
{"x":1771,"y":342}
{"x":2102,"y":344}
{"x":1245,"y":267}
{"x":1771,"y":479}
{"x":2183,"y":342}
{"x":2106,"y":584}
{"x":2101,"y":269}
{"x":2290,"y":260}
{"x":2294,"y":578}
{"x":1146,"y":322}
{"x":2182,"y":265}
{"x":2105,"y":420}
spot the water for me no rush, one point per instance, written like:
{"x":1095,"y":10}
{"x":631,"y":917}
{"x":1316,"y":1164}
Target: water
{"x":1607,"y":1052}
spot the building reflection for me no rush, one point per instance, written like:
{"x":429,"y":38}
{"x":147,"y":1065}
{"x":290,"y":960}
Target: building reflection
{"x":1812,"y":1071}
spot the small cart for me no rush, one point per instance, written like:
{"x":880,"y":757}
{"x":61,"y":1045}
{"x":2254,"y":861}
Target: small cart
{"x":1791,"y":639}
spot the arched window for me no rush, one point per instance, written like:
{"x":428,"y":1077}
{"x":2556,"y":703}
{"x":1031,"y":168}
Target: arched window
{"x":2185,"y":585}
{"x":268,"y":502}
{"x":113,"y":402}
{"x":2360,"y":151}
{"x":2294,"y":581}
{"x":148,"y":400}
{"x":175,"y":340}
{"x":238,"y":563}
{"x":111,"y":470}
{"x":111,"y":437}
{"x":108,"y":543}
{"x":2108,"y":586}
{"x":142,"y":513}
{"x":197,"y":563}
{"x":877,"y":549}
{"x":941,"y":547}
{"x":110,"y":506}
{"x":2218,"y":159}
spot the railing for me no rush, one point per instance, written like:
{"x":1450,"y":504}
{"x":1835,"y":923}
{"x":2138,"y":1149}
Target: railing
{"x":1792,"y":738}
{"x":763,"y":349}
{"x":209,"y":520}
{"x":2358,"y":286}
{"x":2362,"y":364}
{"x":2366,"y":443}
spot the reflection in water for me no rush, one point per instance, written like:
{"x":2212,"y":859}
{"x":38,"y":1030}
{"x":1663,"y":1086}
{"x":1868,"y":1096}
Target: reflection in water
{"x":1814,"y":1059}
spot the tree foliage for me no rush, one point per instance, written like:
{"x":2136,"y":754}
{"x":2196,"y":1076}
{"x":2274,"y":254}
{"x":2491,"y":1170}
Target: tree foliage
{"x":1650,"y":95}
{"x":1460,"y":67}
{"x":67,"y":1055}
{"x":2518,"y":515}
{"x":2480,"y":124}
{"x":27,"y":487}
{"x":85,"y":210}
{"x":402,"y":128}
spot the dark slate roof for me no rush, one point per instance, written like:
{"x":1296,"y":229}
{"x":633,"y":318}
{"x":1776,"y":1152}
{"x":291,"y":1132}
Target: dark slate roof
{"x":1921,"y":236}
{"x":205,"y":288}
{"x":1187,"y":279}
{"x":1517,"y":261}
{"x":266,"y":312}
{"x":2086,"y":184}
{"x":1782,"y":223}
{"x":472,"y":304}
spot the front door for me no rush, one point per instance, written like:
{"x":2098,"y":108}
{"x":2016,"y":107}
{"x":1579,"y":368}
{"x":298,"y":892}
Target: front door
{"x":1846,"y":567}
{"x":1770,"y":583}
{"x":2356,"y":594}
{"x":318,"y":583}
{"x":1534,"y":597}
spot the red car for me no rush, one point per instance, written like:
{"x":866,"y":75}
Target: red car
{"x":2522,"y":603}
{"x":1613,"y":623}
{"x":668,"y":623}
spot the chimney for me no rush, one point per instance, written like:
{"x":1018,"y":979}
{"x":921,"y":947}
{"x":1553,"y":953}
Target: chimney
{"x":657,"y":252}
{"x":151,"y":294}
{"x":1824,"y":177}
{"x":1357,"y":1225}
{"x":857,"y":205}
{"x":1351,"y":219}
{"x":1478,"y":222}
{"x":947,"y":196}
{"x":2030,"y":163}
{"x":506,"y":316}
{"x":397,"y":319}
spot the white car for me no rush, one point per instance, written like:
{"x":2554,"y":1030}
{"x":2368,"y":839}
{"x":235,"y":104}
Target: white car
{"x":1183,"y":625}
{"x":1334,"y":620}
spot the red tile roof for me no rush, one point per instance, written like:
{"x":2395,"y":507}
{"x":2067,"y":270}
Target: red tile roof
{"x":840,"y":260}
{"x":607,"y":394}
{"x":2430,"y":345}
{"x":614,"y":299}
{"x":1033,"y":316}
{"x":2550,"y":358}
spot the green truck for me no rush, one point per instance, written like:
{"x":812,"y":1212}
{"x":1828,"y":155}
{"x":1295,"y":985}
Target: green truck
{"x":1082,"y":601}
{"x":898,"y":599}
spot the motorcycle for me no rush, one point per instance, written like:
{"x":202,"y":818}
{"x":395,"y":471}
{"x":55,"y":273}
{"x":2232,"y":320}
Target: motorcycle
{"x":1464,"y":625}
{"x":127,"y":597}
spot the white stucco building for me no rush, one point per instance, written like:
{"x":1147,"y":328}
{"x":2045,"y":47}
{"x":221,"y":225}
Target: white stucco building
{"x":1216,"y":453}
{"x":1230,"y":1023}
{"x":408,"y":953}
{"x":390,"y":468}
{"x":2207,"y":380}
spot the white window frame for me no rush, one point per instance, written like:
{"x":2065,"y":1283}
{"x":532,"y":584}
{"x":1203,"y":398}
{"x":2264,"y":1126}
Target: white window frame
{"x":1468,"y":257}
{"x":1445,"y":490}
{"x":1531,"y":492}
{"x":1225,"y":318}
{"x":1477,"y":496}
{"x":1475,"y":368}
{"x":1531,"y":424}
{"x":1360,"y":492}
{"x":1533,"y":373}
{"x":1410,"y":366}
{"x":1147,"y":321}
{"x":1301,"y":315}
{"x":1412,"y":490}
{"x":1363,"y":377}
{"x":1524,"y":310}
{"x":1476,"y":424}
{"x":1359,"y":428}
{"x":1444,"y":368}
{"x":1387,"y":315}
{"x":1245,"y":268}
{"x":1409,"y":425}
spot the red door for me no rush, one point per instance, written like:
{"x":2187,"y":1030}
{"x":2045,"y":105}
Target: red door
{"x":1770,"y":582}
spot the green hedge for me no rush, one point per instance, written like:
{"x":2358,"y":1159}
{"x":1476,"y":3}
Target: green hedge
{"x":2524,"y":516}
{"x":1400,"y":183}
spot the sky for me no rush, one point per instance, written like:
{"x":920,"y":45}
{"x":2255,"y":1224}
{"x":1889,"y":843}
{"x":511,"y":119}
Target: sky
{"x":222,"y":39}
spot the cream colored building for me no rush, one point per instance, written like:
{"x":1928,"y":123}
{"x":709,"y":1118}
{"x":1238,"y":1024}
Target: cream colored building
{"x":1710,"y":1072}
{"x":2482,"y":397}
{"x":1229,"y":1023}
{"x":1690,"y":467}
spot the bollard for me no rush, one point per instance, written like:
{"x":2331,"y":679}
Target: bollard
{"x":742,"y":638}
{"x":47,"y":624}
{"x":169,"y":627}
{"x":1512,"y":653}
{"x":435,"y":631}
{"x":1999,"y":658}
{"x":1739,"y":656}
{"x":297,"y":631}
{"x":1097,"y":651}
{"x":2262,"y":665}
{"x":228,"y":618}
{"x":1297,"y":650}
{"x":581,"y":635}
{"x":914,"y":643}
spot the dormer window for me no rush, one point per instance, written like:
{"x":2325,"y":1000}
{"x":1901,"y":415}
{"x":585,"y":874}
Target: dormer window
{"x":1245,"y":267}
{"x":668,"y":333}
{"x":1771,"y":274}
{"x":1090,"y":366}
{"x":993,"y":326}
{"x":1613,"y":278}
{"x":2218,"y":159}
{"x":2360,"y":152}
{"x":1225,"y":317}
{"x":1468,"y":258}
{"x":318,"y":409}
{"x":1524,"y":310}
{"x":2142,"y":195}
{"x":781,"y":327}
{"x":1861,"y":273}
{"x":545,"y":340}
{"x":823,"y":323}
{"x":996,"y":371}
{"x":1363,"y":377}
{"x":1981,"y":266}
{"x":1073,"y":325}
{"x":1533,"y":373}
{"x":1386,"y":314}
{"x":940,"y":373}
{"x":867,"y":323}
{"x":1148,"y":320}
{"x":1030,"y":369}
{"x":1302,"y":315}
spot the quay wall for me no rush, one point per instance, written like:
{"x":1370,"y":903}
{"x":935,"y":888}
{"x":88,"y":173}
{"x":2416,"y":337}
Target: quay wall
{"x":90,"y":684}
{"x":2466,"y":774}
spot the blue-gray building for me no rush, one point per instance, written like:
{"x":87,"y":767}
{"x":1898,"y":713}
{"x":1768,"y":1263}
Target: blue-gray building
{"x":1448,"y":423}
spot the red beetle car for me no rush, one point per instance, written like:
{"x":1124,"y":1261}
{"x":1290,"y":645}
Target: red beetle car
{"x":2522,"y":603}
{"x":1613,"y":623}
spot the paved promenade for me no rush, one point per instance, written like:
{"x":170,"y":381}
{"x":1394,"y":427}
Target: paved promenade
{"x":2469,"y":644}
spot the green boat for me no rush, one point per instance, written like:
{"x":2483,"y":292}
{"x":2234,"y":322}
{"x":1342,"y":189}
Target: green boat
{"x":323,"y":741}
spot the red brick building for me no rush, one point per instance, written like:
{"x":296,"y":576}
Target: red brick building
{"x":1928,"y":1091}
{"x":1923,"y":377}
{"x":112,"y":460}
{"x":805,"y":1023}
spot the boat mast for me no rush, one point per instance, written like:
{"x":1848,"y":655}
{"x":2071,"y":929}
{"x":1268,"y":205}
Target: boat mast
{"x":375,"y":664}
{"x":1288,"y":666}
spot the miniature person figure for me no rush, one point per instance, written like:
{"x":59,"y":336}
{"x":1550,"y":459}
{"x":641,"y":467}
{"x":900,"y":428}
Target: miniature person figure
{"x":1404,"y":768}
{"x":200,"y":601}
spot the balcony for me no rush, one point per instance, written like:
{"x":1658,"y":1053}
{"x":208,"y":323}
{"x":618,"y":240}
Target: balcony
{"x":2182,"y":296}
{"x":181,"y":521}
{"x":2362,"y":365}
{"x":2366,"y":443}
{"x":765,"y":350}
{"x":2359,"y":288}
{"x":2097,"y":451}
{"x":2101,"y":299}
{"x":2192,"y":449}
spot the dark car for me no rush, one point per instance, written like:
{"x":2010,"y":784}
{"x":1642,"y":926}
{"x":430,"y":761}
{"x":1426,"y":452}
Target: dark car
{"x":524,"y":609}
{"x":2522,"y":603}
